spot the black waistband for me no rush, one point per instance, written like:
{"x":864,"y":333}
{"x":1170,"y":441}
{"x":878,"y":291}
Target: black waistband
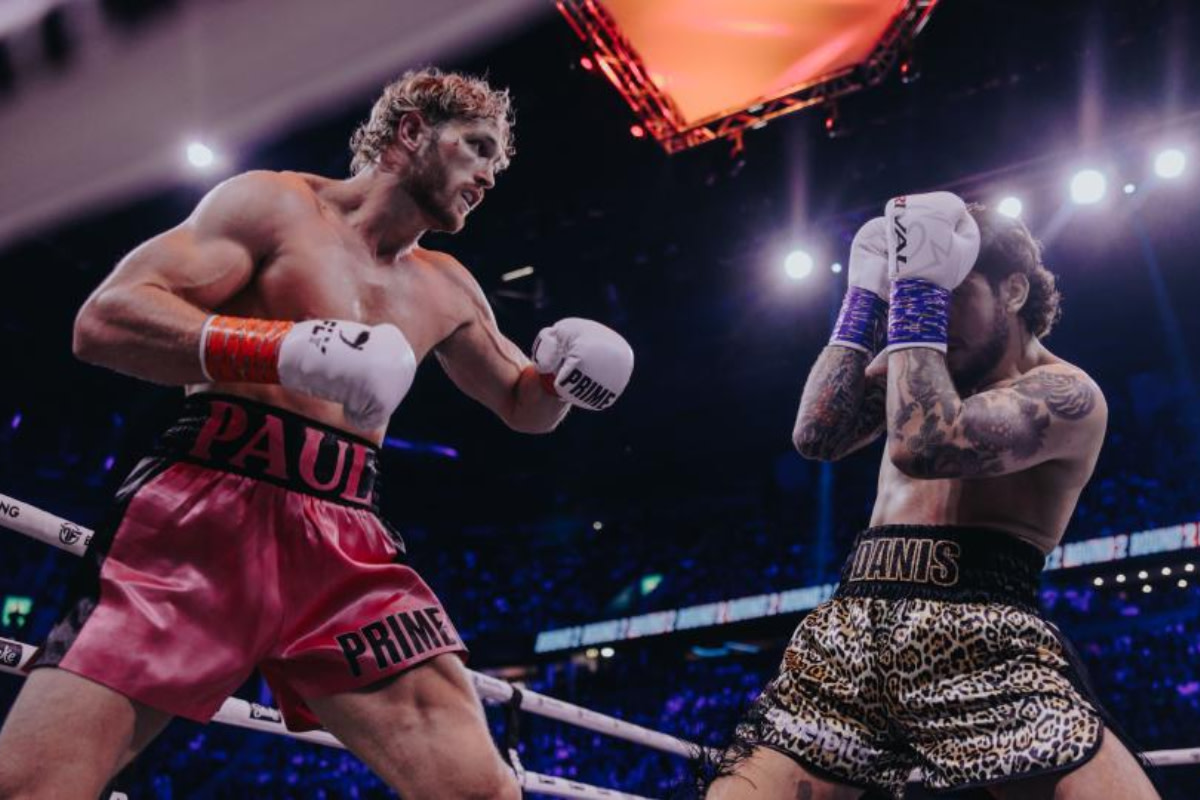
{"x":233,"y":434}
{"x":942,"y":562}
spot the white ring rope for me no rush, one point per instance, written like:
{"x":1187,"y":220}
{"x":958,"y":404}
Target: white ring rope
{"x":499,"y":691}
{"x":37,"y":524}
{"x":264,"y":719}
{"x":66,"y":535}
{"x":44,"y":526}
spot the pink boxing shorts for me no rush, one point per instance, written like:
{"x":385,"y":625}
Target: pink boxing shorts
{"x":250,"y":538}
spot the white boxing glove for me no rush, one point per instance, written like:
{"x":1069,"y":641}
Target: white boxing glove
{"x":583,"y":362}
{"x":933,"y":242}
{"x":869,"y":258}
{"x":862,"y":322}
{"x":368,"y":369}
{"x":931,"y":237}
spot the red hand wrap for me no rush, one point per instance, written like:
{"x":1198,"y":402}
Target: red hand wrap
{"x":243,"y":350}
{"x":546,"y":379}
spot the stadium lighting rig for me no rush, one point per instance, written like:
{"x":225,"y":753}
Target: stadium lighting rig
{"x":694,"y":73}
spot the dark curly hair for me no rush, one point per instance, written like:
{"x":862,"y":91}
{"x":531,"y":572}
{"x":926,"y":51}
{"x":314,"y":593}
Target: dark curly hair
{"x":1007,"y":247}
{"x":439,"y":97}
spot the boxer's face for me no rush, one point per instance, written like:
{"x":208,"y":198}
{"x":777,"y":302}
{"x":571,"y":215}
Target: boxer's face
{"x":978,"y":331}
{"x":454,"y":168}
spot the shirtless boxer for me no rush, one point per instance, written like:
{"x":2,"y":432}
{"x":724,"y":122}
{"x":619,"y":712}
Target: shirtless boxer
{"x":295,"y":310}
{"x":932,"y":653}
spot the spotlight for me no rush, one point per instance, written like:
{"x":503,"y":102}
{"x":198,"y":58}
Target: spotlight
{"x":1088,"y":187}
{"x":597,"y":525}
{"x":1097,"y":581}
{"x":1121,"y":578}
{"x":833,"y":121}
{"x":199,"y":155}
{"x":798,"y":265}
{"x":1189,"y":567}
{"x":1146,"y":588}
{"x":607,"y":652}
{"x":1169,"y":163}
{"x":1010,"y":207}
{"x":1142,"y":575}
{"x":1181,"y":583}
{"x":1166,"y":570}
{"x":637,"y":131}
{"x":592,"y":653}
{"x":836,"y":268}
{"x":586,"y":63}
{"x":1130,"y":188}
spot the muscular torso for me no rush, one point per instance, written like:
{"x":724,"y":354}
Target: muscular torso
{"x":315,"y":266}
{"x":1034,"y":504}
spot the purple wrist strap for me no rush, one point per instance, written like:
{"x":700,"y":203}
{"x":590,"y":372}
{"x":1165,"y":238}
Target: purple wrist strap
{"x":918,"y":315}
{"x":862,"y":322}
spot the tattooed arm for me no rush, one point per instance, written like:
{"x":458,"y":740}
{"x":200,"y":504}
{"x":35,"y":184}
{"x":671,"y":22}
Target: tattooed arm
{"x":841,"y":410}
{"x":1051,"y":412}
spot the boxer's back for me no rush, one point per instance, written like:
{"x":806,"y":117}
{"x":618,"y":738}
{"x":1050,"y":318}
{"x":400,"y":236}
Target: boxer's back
{"x":312,"y":264}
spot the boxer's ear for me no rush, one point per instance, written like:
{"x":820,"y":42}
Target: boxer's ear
{"x":412,"y":131}
{"x":1014,"y":292}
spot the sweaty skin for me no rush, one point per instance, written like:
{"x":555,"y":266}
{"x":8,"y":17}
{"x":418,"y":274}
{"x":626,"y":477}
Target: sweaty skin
{"x":293,"y":246}
{"x":1011,"y":453}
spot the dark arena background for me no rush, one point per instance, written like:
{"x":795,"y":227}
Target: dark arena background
{"x":649,"y":562}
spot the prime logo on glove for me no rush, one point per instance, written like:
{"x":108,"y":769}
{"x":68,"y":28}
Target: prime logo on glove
{"x":588,"y":391}
{"x":322,"y":335}
{"x":583,"y":362}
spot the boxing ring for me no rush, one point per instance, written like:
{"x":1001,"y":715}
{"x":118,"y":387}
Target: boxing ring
{"x":75,"y":539}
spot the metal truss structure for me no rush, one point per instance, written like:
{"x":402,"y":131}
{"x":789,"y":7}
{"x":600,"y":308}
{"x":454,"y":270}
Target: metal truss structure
{"x":617,"y":58}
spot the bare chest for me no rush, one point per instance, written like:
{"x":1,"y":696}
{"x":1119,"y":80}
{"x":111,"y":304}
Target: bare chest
{"x":318,"y":274}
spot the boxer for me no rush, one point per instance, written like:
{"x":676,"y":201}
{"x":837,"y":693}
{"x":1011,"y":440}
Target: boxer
{"x":932,"y":652}
{"x":295,"y":309}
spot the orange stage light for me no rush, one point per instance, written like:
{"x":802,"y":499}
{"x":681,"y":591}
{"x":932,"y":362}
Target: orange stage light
{"x":698,"y":70}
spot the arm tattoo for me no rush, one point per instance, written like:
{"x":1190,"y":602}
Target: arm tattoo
{"x":840,"y":408}
{"x":951,"y":438}
{"x":1065,"y":395}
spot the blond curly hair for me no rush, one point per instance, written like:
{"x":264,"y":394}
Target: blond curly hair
{"x":439,"y":97}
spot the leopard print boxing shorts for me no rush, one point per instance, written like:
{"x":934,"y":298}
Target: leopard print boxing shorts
{"x":931,"y":654}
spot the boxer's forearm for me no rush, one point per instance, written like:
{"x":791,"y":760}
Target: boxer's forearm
{"x":533,"y":409}
{"x":921,"y":398}
{"x":840,"y":409}
{"x":143,"y":331}
{"x":933,"y":433}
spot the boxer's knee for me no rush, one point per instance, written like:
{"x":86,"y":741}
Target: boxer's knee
{"x":18,"y":772}
{"x":498,"y":784}
{"x":19,"y":777}
{"x":25,"y":775}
